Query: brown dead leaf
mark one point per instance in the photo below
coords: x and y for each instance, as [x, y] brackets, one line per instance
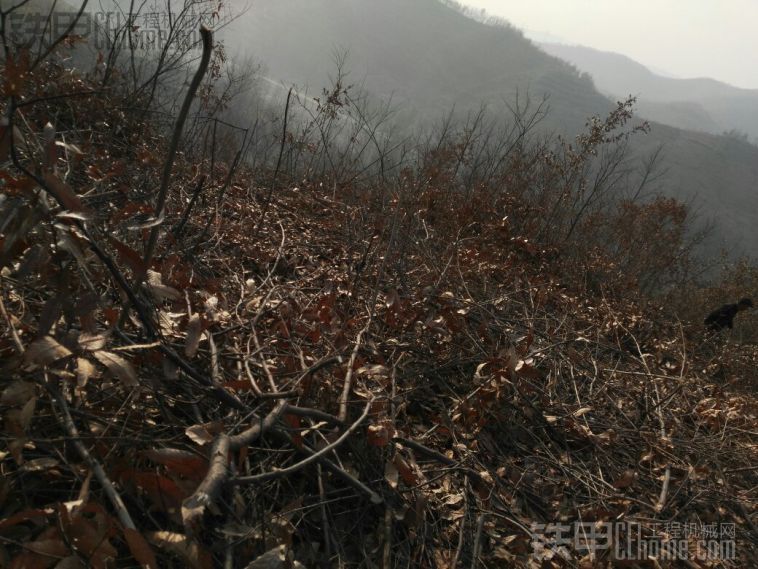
[85, 370]
[17, 420]
[276, 558]
[71, 241]
[17, 393]
[181, 462]
[128, 256]
[119, 367]
[391, 474]
[168, 321]
[36, 516]
[45, 351]
[92, 342]
[5, 140]
[70, 562]
[194, 332]
[582, 411]
[180, 545]
[63, 192]
[87, 537]
[140, 549]
[525, 369]
[378, 435]
[41, 554]
[165, 493]
[443, 559]
[39, 464]
[626, 479]
[211, 307]
[453, 499]
[204, 434]
[16, 448]
[406, 470]
[158, 290]
[374, 371]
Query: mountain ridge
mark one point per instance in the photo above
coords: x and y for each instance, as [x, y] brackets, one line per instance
[729, 108]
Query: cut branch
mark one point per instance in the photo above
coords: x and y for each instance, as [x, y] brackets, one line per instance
[194, 507]
[347, 387]
[280, 472]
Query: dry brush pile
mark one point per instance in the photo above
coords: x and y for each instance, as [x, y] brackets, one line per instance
[267, 371]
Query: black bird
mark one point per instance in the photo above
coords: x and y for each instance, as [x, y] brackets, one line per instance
[724, 317]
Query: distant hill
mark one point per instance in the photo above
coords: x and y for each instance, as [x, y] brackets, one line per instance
[698, 104]
[424, 54]
[430, 57]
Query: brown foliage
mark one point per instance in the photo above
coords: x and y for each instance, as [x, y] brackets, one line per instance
[411, 368]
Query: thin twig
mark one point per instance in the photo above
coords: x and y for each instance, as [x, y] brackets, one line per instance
[270, 194]
[264, 365]
[347, 387]
[207, 37]
[477, 541]
[94, 465]
[387, 551]
[41, 56]
[280, 472]
[334, 469]
[324, 516]
[188, 210]
[253, 433]
[16, 339]
[462, 529]
[206, 494]
[313, 414]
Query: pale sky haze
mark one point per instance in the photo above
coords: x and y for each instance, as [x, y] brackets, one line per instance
[686, 38]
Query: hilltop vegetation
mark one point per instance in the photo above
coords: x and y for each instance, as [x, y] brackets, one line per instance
[299, 341]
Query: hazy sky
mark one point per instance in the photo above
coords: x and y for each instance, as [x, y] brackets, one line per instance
[686, 38]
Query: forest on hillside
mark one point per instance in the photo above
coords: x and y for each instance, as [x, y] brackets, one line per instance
[259, 333]
[427, 59]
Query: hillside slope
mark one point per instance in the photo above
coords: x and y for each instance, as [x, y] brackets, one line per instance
[423, 54]
[429, 58]
[206, 364]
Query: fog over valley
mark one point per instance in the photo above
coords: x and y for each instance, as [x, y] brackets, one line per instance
[427, 58]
